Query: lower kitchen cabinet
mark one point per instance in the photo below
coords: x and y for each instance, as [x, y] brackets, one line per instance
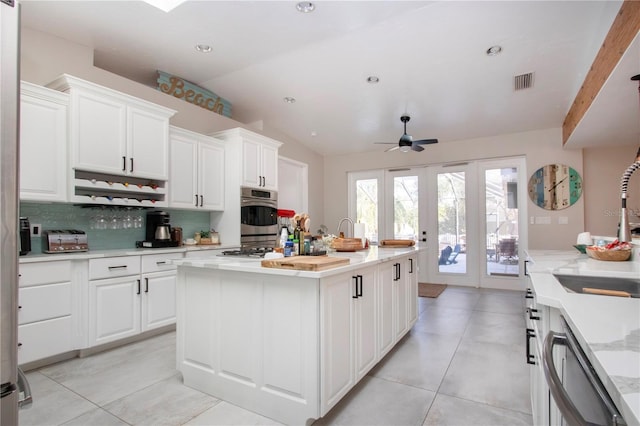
[140, 299]
[45, 310]
[349, 331]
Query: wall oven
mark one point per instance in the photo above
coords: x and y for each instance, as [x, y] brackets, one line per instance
[579, 394]
[258, 218]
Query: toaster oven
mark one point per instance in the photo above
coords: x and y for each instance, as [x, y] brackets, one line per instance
[64, 241]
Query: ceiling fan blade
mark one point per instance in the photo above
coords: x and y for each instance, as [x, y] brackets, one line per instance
[393, 148]
[417, 148]
[425, 141]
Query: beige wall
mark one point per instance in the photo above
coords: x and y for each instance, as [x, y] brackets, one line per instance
[43, 58]
[603, 168]
[539, 148]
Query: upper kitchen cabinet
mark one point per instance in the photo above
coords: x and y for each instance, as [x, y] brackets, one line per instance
[114, 133]
[196, 171]
[43, 144]
[258, 157]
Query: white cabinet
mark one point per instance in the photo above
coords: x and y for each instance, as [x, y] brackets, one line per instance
[260, 164]
[257, 154]
[197, 171]
[45, 320]
[114, 133]
[129, 295]
[411, 275]
[43, 144]
[349, 332]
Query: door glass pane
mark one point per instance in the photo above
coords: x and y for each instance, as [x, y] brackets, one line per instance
[502, 221]
[405, 207]
[367, 207]
[452, 223]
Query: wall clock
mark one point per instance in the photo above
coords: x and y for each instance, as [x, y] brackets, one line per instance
[555, 187]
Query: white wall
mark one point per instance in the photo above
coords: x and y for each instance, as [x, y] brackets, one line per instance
[45, 57]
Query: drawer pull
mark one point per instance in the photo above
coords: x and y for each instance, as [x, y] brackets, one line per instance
[118, 267]
[161, 262]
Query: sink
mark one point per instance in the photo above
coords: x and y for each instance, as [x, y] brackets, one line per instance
[576, 283]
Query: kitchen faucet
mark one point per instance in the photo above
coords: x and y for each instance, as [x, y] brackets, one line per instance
[624, 231]
[340, 224]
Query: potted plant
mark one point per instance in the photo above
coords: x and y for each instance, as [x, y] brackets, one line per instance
[205, 237]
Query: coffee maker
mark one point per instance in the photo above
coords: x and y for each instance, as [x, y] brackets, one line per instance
[158, 231]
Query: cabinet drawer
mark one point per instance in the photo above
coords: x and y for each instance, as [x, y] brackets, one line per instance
[44, 339]
[111, 267]
[159, 262]
[44, 302]
[44, 273]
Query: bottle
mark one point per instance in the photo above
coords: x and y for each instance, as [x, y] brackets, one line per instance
[296, 247]
[307, 245]
[288, 248]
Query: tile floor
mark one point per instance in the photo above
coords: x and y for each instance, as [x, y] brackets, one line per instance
[461, 364]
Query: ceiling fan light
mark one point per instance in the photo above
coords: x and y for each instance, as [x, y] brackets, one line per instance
[405, 148]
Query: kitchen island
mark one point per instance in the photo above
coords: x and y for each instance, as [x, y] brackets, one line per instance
[607, 328]
[289, 344]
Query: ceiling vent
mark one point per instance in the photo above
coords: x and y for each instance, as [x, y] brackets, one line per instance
[523, 81]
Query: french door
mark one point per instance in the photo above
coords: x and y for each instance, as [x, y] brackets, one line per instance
[466, 215]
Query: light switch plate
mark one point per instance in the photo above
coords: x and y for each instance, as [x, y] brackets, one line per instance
[36, 229]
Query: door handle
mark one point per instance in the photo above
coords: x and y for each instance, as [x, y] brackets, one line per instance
[411, 265]
[359, 280]
[138, 292]
[146, 285]
[201, 201]
[196, 204]
[531, 316]
[529, 335]
[529, 294]
[124, 163]
[131, 170]
[355, 287]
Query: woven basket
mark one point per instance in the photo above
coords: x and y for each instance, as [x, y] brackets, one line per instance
[611, 255]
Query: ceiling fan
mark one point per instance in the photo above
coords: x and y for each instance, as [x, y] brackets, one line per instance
[406, 142]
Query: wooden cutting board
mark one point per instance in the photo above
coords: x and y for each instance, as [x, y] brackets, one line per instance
[306, 263]
[397, 243]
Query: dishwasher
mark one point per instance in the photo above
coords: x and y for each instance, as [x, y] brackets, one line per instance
[579, 395]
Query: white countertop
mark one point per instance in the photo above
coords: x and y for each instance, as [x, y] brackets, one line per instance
[357, 260]
[607, 328]
[92, 254]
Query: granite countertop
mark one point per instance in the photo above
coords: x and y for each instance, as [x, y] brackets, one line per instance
[372, 256]
[93, 254]
[607, 328]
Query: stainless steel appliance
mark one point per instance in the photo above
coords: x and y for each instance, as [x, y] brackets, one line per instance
[11, 386]
[64, 241]
[258, 218]
[25, 236]
[158, 231]
[579, 394]
[256, 252]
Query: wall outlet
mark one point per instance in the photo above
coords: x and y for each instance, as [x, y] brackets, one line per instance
[36, 229]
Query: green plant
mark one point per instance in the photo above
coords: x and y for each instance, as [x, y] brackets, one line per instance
[205, 234]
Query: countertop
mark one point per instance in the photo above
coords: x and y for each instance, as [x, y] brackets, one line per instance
[607, 328]
[93, 254]
[372, 256]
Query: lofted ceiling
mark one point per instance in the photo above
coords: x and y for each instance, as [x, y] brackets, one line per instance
[430, 57]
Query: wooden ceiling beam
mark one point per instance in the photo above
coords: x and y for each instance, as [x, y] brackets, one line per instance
[623, 31]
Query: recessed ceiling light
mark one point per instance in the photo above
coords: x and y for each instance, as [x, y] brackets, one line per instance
[373, 79]
[314, 134]
[494, 50]
[289, 100]
[305, 7]
[204, 48]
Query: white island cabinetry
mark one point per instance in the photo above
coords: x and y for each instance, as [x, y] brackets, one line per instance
[286, 344]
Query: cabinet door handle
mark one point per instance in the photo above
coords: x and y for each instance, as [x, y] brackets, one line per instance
[124, 163]
[138, 292]
[161, 262]
[118, 267]
[411, 265]
[355, 287]
[131, 170]
[359, 281]
[146, 285]
[526, 270]
[531, 316]
[529, 335]
[196, 203]
[399, 272]
[201, 201]
[529, 294]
